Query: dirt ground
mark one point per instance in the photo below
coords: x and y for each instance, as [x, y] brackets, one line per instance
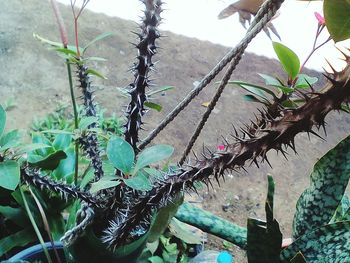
[35, 78]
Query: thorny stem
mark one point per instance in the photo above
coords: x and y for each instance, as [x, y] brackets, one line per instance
[210, 76]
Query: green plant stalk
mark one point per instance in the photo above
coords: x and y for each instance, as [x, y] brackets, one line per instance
[46, 223]
[36, 229]
[75, 111]
[212, 224]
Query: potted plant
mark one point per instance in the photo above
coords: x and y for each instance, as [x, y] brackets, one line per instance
[119, 199]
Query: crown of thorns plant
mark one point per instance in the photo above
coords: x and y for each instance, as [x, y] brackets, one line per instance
[123, 213]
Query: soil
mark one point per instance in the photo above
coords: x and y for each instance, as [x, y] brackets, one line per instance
[35, 78]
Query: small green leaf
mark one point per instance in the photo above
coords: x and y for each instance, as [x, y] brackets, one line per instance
[163, 219]
[49, 162]
[85, 122]
[285, 90]
[337, 18]
[54, 44]
[270, 81]
[10, 140]
[95, 59]
[288, 59]
[121, 154]
[102, 184]
[96, 73]
[156, 259]
[66, 51]
[183, 232]
[160, 90]
[153, 106]
[139, 182]
[152, 246]
[304, 81]
[252, 98]
[152, 155]
[9, 175]
[98, 38]
[16, 215]
[53, 131]
[2, 120]
[62, 141]
[31, 147]
[66, 166]
[254, 89]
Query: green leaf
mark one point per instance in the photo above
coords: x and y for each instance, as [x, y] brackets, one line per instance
[153, 106]
[32, 147]
[252, 98]
[342, 211]
[288, 59]
[139, 182]
[54, 44]
[10, 140]
[304, 81]
[16, 215]
[96, 39]
[329, 179]
[121, 154]
[62, 141]
[270, 81]
[152, 246]
[19, 239]
[103, 183]
[2, 120]
[156, 259]
[95, 73]
[160, 90]
[49, 162]
[329, 243]
[66, 166]
[183, 232]
[65, 51]
[38, 137]
[95, 59]
[264, 239]
[337, 18]
[163, 219]
[254, 89]
[85, 122]
[9, 175]
[152, 155]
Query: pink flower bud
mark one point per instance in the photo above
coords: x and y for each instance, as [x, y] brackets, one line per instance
[221, 147]
[320, 18]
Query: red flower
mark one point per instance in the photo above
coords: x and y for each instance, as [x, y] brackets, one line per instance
[320, 18]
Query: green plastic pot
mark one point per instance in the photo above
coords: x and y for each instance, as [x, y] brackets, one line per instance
[89, 248]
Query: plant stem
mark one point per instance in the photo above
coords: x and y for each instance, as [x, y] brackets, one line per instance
[75, 111]
[36, 229]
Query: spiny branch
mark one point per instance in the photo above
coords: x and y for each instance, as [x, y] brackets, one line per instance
[89, 141]
[32, 176]
[137, 90]
[268, 6]
[268, 133]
